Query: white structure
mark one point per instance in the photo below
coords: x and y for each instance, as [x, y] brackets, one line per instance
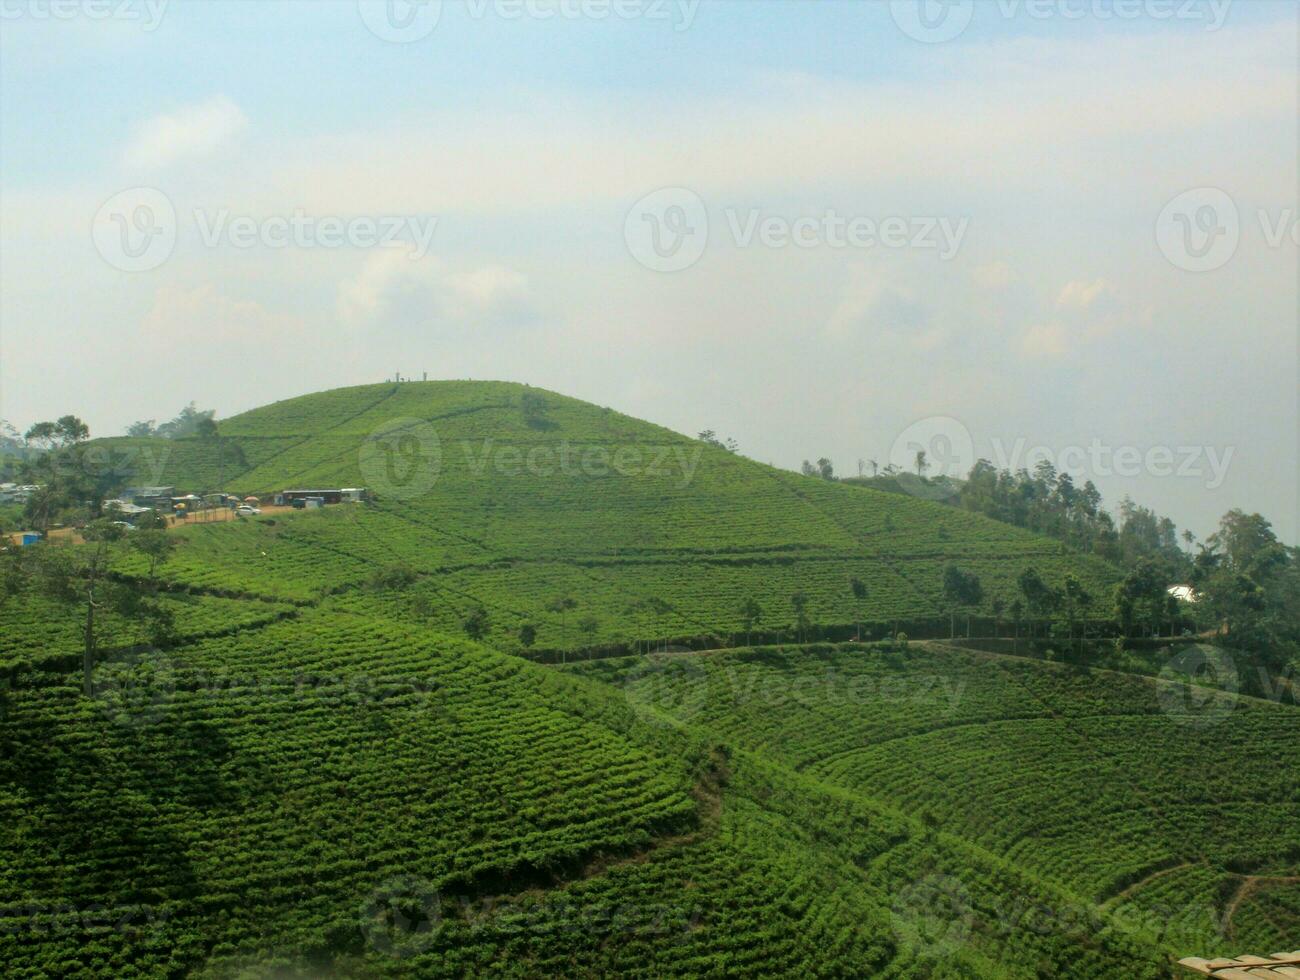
[1183, 593]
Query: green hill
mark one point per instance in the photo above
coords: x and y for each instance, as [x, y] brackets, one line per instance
[498, 504]
[320, 775]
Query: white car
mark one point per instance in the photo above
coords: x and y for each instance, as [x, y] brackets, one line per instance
[248, 510]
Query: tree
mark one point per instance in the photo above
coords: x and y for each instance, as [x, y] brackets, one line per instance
[590, 626]
[921, 464]
[73, 478]
[750, 613]
[859, 590]
[1076, 599]
[711, 437]
[533, 406]
[144, 429]
[77, 576]
[527, 635]
[71, 430]
[801, 623]
[999, 607]
[961, 589]
[1248, 585]
[476, 623]
[44, 434]
[206, 429]
[1040, 599]
[561, 605]
[185, 424]
[1142, 593]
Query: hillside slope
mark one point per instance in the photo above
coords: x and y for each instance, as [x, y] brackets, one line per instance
[322, 776]
[515, 500]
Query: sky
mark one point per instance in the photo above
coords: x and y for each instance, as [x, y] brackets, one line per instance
[1010, 229]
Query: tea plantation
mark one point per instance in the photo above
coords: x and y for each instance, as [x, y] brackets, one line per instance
[401, 738]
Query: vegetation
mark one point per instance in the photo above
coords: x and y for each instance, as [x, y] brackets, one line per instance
[404, 739]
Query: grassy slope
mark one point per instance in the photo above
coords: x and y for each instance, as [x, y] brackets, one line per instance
[1087, 779]
[655, 535]
[265, 795]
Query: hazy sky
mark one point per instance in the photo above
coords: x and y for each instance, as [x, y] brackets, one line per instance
[840, 229]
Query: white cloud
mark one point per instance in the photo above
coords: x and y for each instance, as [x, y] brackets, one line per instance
[1081, 295]
[200, 314]
[1081, 122]
[994, 275]
[1045, 340]
[392, 285]
[191, 131]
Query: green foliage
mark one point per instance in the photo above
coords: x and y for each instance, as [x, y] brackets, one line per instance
[314, 767]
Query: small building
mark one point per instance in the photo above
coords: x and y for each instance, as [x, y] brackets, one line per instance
[126, 511]
[135, 493]
[326, 496]
[354, 495]
[1183, 593]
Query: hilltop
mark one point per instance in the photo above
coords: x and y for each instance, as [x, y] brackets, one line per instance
[512, 498]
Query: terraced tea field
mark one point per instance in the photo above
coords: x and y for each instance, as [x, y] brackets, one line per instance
[321, 774]
[653, 535]
[1093, 780]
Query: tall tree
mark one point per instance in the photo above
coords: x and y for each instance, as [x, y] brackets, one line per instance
[799, 601]
[750, 613]
[961, 589]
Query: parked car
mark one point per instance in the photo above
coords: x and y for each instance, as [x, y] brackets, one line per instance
[247, 510]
